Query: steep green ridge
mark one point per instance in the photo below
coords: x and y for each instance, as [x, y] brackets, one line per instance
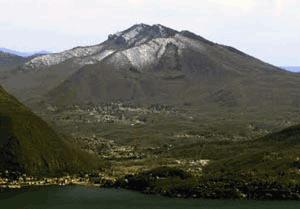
[29, 145]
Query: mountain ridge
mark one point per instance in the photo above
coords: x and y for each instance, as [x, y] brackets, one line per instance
[182, 57]
[117, 41]
[295, 69]
[134, 36]
[23, 54]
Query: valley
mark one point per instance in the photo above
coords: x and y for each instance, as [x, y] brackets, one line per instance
[154, 110]
[196, 143]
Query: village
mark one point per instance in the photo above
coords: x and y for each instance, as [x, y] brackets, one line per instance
[120, 113]
[106, 177]
[23, 181]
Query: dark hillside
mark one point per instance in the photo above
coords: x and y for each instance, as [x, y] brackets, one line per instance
[29, 145]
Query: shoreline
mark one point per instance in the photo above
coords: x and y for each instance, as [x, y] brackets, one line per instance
[12, 188]
[144, 193]
[25, 182]
[100, 181]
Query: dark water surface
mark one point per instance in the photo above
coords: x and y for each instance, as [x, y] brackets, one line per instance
[77, 197]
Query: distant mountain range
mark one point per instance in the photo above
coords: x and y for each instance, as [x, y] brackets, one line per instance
[292, 68]
[23, 54]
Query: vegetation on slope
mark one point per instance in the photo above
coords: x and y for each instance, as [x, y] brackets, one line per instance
[28, 145]
[275, 156]
[266, 168]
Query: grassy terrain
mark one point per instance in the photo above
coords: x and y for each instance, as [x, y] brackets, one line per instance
[148, 127]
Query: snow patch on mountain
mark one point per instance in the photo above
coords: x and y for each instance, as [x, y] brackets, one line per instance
[95, 58]
[57, 58]
[149, 53]
[190, 43]
[131, 34]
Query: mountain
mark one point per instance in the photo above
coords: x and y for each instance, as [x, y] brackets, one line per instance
[28, 145]
[292, 68]
[150, 96]
[134, 36]
[50, 70]
[23, 54]
[157, 65]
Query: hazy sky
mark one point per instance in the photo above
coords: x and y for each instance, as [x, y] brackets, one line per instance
[267, 29]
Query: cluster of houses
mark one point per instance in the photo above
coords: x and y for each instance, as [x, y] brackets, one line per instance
[25, 181]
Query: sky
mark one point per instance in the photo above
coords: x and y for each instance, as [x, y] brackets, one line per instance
[267, 29]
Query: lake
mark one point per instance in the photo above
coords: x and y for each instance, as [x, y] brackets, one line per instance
[79, 197]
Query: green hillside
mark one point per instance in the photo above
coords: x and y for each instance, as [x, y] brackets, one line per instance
[275, 156]
[265, 168]
[29, 145]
